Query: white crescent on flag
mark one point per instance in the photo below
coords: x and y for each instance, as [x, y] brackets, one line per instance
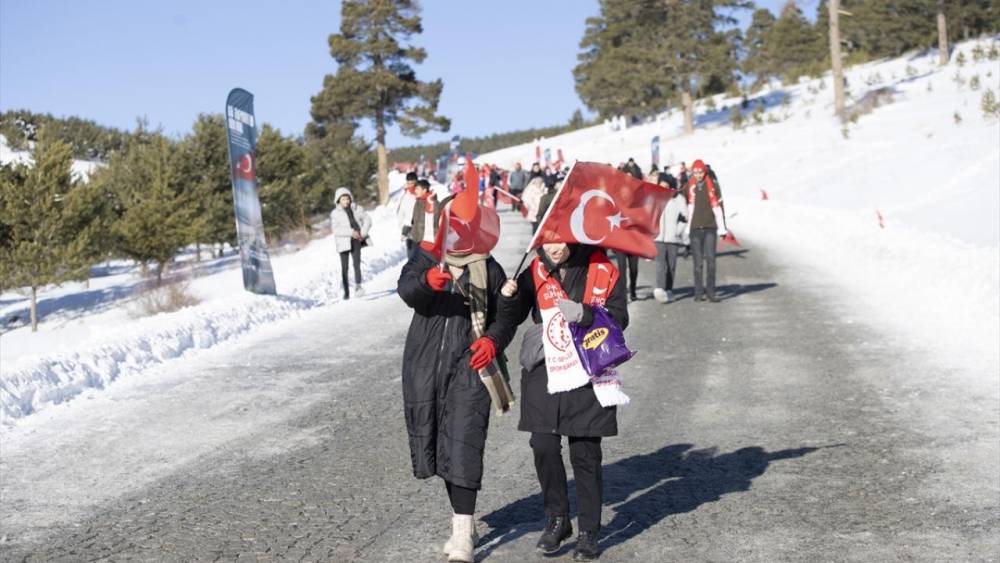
[576, 219]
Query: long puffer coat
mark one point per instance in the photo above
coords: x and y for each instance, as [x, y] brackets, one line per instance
[570, 413]
[447, 407]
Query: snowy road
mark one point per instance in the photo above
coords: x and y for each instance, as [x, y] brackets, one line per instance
[767, 427]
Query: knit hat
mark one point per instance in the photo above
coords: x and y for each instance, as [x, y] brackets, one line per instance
[698, 165]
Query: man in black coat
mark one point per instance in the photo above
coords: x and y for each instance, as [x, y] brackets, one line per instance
[447, 407]
[575, 413]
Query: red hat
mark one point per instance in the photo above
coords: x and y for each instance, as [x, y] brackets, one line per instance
[698, 165]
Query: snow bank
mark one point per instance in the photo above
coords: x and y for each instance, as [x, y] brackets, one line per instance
[120, 347]
[932, 276]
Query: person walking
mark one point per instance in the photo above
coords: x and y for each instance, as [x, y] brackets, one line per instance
[455, 331]
[404, 211]
[629, 263]
[350, 225]
[582, 275]
[632, 168]
[706, 223]
[422, 228]
[669, 242]
[516, 181]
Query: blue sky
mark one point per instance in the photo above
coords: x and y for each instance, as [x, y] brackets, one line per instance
[506, 65]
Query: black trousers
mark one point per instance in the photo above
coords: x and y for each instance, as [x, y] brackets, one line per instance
[585, 457]
[703, 243]
[633, 269]
[463, 499]
[355, 253]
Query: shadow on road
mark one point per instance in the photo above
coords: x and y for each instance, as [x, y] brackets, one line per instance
[725, 292]
[672, 480]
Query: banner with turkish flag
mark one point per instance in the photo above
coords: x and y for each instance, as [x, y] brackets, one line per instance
[600, 206]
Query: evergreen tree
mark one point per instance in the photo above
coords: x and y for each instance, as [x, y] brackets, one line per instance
[793, 46]
[280, 170]
[154, 214]
[34, 250]
[757, 61]
[203, 170]
[336, 157]
[374, 79]
[698, 57]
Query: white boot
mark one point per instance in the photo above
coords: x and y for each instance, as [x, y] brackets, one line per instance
[463, 538]
[448, 545]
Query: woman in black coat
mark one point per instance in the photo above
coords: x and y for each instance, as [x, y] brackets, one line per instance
[575, 413]
[447, 407]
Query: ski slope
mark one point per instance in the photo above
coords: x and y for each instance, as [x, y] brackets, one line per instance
[931, 277]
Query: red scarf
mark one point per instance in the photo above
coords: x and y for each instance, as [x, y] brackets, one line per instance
[713, 198]
[602, 276]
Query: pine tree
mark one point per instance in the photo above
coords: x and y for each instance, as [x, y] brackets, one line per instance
[374, 79]
[203, 170]
[154, 214]
[34, 253]
[757, 61]
[280, 170]
[697, 56]
[793, 46]
[336, 157]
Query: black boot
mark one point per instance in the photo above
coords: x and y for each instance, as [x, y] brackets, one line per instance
[557, 529]
[347, 293]
[586, 547]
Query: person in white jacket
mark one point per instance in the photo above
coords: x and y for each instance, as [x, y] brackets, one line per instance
[350, 225]
[673, 236]
[404, 210]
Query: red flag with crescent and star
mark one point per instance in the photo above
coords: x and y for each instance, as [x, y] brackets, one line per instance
[600, 206]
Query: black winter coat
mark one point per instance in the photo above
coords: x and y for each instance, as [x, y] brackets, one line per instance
[446, 406]
[576, 412]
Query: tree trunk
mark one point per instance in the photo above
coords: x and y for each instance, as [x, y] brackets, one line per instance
[160, 267]
[197, 252]
[34, 309]
[835, 62]
[942, 35]
[383, 162]
[688, 103]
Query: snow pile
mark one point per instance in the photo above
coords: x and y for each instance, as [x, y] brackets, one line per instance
[97, 350]
[81, 169]
[928, 162]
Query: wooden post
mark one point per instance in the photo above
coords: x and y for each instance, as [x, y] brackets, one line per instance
[942, 35]
[835, 60]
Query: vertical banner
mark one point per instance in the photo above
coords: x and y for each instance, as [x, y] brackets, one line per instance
[548, 156]
[655, 148]
[242, 134]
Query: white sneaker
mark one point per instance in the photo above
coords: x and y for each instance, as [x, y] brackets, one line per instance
[661, 295]
[463, 539]
[359, 291]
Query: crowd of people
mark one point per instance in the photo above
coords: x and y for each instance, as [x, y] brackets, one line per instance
[466, 312]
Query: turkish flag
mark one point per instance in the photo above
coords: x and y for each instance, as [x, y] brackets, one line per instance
[603, 207]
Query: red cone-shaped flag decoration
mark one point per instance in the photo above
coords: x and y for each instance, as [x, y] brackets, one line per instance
[601, 206]
[471, 228]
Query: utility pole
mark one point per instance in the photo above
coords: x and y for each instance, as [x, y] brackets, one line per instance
[836, 63]
[942, 35]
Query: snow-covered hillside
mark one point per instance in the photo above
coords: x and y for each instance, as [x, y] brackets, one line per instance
[932, 274]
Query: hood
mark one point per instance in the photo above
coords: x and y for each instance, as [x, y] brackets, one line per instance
[340, 192]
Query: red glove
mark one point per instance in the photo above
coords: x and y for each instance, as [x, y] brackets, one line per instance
[483, 352]
[438, 278]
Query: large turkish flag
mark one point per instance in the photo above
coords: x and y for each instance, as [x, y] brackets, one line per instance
[603, 207]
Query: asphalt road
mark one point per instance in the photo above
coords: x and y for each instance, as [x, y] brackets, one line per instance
[762, 428]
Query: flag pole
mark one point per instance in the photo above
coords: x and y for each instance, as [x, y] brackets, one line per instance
[541, 223]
